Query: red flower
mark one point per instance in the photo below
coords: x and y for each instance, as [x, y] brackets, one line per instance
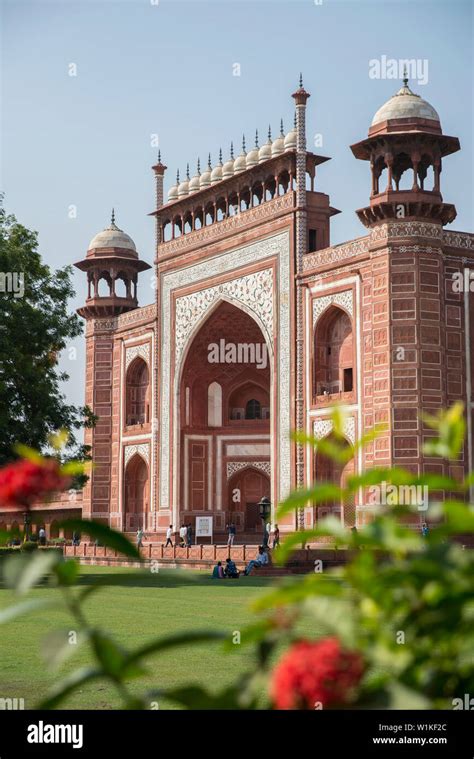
[24, 481]
[316, 675]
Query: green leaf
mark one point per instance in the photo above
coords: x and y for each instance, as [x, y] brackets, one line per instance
[331, 526]
[319, 492]
[459, 517]
[68, 685]
[112, 657]
[67, 572]
[23, 572]
[105, 535]
[450, 426]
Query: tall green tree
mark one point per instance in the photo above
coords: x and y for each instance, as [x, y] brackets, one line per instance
[35, 325]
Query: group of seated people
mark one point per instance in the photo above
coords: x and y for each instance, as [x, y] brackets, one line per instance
[230, 570]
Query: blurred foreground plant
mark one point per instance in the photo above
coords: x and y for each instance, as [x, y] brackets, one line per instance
[398, 615]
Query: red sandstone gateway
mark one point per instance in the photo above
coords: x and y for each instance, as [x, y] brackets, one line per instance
[243, 255]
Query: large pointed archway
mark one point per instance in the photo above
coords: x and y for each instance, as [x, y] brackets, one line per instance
[224, 412]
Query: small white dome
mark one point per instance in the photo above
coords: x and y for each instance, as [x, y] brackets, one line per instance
[173, 193]
[251, 158]
[265, 151]
[228, 167]
[112, 237]
[183, 189]
[240, 163]
[405, 105]
[252, 155]
[205, 180]
[217, 171]
[290, 140]
[195, 182]
[278, 145]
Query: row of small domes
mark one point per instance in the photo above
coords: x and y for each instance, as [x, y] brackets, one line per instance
[233, 166]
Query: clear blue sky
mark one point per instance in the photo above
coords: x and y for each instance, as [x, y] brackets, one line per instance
[167, 68]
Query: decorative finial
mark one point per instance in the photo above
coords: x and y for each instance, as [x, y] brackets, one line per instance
[282, 133]
[232, 150]
[243, 143]
[177, 177]
[159, 156]
[405, 75]
[220, 156]
[301, 79]
[294, 121]
[269, 133]
[209, 164]
[199, 167]
[256, 138]
[187, 172]
[113, 216]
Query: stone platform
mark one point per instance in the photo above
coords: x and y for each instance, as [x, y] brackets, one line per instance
[204, 557]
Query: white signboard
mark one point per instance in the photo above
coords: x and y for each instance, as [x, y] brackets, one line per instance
[203, 527]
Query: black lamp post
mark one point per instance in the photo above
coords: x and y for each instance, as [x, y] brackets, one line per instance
[27, 522]
[265, 508]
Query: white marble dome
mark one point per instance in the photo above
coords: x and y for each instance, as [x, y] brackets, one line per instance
[405, 105]
[206, 176]
[228, 169]
[195, 181]
[173, 191]
[278, 145]
[265, 151]
[240, 164]
[217, 171]
[290, 140]
[112, 237]
[251, 158]
[183, 188]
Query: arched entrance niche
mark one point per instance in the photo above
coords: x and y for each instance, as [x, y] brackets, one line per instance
[137, 393]
[245, 489]
[334, 364]
[328, 470]
[136, 501]
[224, 408]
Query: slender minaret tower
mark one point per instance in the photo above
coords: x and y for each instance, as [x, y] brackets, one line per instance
[300, 97]
[159, 170]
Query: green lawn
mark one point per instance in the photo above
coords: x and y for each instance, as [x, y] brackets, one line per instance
[136, 607]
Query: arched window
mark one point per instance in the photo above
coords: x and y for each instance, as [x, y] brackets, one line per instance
[214, 405]
[138, 391]
[333, 353]
[253, 409]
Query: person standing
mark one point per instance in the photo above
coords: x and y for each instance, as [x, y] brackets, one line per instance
[276, 536]
[183, 531]
[189, 535]
[425, 530]
[76, 538]
[140, 535]
[231, 534]
[169, 535]
[42, 536]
